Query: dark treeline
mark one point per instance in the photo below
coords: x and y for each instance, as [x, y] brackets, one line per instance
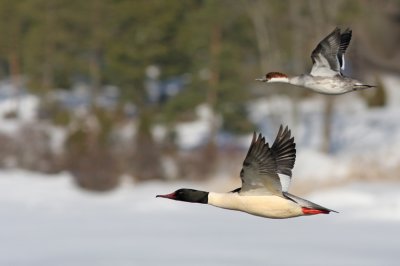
[218, 43]
[216, 48]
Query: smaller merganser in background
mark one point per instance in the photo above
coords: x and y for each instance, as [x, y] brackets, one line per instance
[325, 76]
[266, 176]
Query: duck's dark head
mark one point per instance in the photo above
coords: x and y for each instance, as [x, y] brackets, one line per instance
[188, 195]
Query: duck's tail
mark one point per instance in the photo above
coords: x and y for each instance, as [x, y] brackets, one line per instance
[362, 86]
[308, 207]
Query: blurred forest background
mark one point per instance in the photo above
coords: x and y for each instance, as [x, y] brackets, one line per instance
[156, 89]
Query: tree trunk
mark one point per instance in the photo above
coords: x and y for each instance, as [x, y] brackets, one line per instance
[13, 61]
[48, 74]
[318, 13]
[212, 94]
[327, 125]
[95, 52]
[255, 9]
[95, 75]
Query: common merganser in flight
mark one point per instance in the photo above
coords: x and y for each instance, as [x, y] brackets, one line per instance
[266, 176]
[325, 76]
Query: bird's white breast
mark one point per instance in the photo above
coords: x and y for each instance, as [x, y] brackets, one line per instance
[264, 206]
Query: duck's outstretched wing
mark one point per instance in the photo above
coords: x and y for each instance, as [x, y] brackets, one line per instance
[328, 56]
[263, 164]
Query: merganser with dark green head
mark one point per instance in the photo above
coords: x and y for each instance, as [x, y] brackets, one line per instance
[266, 176]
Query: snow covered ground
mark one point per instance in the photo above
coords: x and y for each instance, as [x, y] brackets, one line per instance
[46, 220]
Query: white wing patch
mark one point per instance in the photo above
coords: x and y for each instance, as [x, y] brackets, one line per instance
[321, 67]
[343, 62]
[285, 182]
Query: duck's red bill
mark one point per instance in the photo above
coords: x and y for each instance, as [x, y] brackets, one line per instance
[167, 196]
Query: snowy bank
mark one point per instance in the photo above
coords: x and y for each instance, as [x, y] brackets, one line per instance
[47, 220]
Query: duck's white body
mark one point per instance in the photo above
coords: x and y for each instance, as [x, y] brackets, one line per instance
[274, 207]
[328, 61]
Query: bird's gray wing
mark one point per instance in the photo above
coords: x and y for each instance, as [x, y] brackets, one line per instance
[325, 55]
[263, 163]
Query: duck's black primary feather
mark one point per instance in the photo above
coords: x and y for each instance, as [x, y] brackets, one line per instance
[284, 151]
[345, 38]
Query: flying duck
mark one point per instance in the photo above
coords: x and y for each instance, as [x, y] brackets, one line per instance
[266, 176]
[328, 61]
